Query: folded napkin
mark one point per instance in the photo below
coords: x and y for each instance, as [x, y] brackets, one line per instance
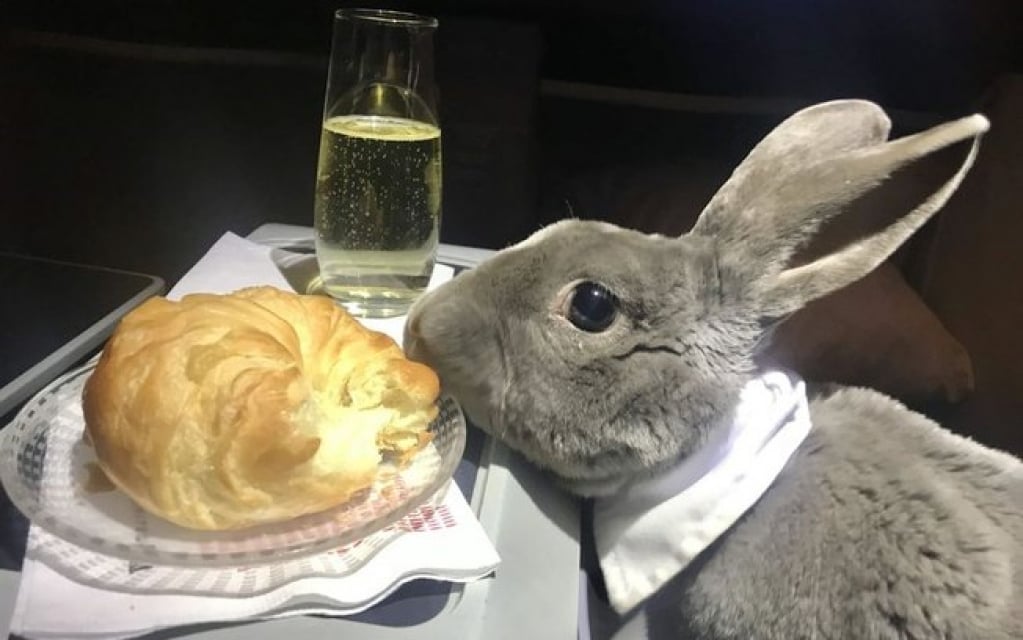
[70, 592]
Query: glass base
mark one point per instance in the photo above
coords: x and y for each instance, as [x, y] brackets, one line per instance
[373, 309]
[375, 284]
[364, 302]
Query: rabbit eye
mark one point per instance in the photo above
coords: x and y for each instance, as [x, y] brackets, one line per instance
[592, 307]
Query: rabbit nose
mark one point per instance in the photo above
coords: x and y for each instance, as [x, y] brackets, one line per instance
[435, 319]
[413, 334]
[412, 325]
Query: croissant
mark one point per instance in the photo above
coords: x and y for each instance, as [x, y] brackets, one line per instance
[227, 411]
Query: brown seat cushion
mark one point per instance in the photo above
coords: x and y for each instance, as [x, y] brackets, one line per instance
[877, 333]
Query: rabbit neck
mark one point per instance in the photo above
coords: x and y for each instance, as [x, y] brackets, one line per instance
[653, 528]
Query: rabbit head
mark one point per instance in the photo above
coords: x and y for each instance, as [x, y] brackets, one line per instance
[603, 354]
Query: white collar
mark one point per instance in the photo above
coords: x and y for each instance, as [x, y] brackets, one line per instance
[652, 529]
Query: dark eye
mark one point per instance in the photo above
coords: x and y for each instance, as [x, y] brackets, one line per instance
[592, 307]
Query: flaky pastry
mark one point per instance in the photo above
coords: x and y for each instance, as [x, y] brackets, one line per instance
[226, 411]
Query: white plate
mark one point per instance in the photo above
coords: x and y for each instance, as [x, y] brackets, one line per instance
[45, 468]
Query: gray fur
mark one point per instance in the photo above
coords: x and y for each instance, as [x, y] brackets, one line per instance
[882, 525]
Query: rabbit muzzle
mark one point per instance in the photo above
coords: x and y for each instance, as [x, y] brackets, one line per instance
[446, 333]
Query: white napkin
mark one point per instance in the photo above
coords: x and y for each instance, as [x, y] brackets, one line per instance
[112, 598]
[651, 530]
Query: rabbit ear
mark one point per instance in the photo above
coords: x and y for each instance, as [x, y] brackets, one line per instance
[768, 191]
[805, 172]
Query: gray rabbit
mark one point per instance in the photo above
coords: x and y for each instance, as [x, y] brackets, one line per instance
[613, 359]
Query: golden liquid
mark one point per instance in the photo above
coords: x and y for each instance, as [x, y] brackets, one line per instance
[378, 202]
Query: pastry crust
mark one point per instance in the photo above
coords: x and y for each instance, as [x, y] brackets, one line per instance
[227, 411]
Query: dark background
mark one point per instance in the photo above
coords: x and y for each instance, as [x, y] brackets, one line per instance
[133, 133]
[935, 54]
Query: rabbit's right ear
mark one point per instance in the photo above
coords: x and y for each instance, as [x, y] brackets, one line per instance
[803, 173]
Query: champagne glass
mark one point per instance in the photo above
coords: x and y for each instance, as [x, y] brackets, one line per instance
[378, 179]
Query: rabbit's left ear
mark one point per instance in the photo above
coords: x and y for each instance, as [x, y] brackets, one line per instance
[803, 173]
